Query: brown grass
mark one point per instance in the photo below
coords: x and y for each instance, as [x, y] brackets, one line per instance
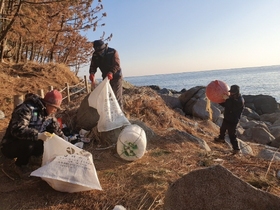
[135, 185]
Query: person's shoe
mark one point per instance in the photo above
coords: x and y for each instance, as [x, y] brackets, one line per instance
[218, 140]
[236, 151]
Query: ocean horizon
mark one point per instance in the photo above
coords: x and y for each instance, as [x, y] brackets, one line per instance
[263, 80]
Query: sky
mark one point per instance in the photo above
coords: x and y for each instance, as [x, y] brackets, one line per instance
[164, 37]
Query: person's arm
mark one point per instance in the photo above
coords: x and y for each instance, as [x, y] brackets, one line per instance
[51, 125]
[93, 67]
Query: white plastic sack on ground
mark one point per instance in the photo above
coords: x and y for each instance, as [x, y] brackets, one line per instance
[104, 100]
[67, 168]
[131, 144]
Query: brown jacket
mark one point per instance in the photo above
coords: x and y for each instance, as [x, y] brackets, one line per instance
[109, 62]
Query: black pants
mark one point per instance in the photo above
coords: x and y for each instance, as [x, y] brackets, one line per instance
[116, 84]
[231, 128]
[22, 150]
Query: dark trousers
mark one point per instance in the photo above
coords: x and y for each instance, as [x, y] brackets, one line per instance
[22, 150]
[116, 85]
[231, 128]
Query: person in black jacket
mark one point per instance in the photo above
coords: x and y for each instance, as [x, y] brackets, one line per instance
[26, 130]
[107, 60]
[233, 105]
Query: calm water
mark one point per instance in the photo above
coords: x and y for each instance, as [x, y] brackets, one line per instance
[252, 81]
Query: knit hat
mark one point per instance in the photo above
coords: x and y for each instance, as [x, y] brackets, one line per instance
[53, 98]
[234, 89]
[98, 45]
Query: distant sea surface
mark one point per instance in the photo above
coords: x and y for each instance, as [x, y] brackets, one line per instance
[252, 81]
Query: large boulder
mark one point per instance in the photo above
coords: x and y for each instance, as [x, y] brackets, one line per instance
[87, 117]
[189, 98]
[251, 114]
[273, 117]
[262, 104]
[269, 154]
[172, 101]
[201, 111]
[275, 142]
[275, 131]
[257, 135]
[194, 103]
[216, 188]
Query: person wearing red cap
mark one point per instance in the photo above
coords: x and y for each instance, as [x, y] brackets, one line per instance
[25, 133]
[234, 105]
[107, 60]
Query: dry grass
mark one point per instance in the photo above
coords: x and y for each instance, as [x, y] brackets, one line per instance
[139, 185]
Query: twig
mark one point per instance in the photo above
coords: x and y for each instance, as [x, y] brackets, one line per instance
[8, 175]
[142, 201]
[104, 148]
[153, 202]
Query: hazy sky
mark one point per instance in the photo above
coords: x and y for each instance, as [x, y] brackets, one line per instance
[164, 36]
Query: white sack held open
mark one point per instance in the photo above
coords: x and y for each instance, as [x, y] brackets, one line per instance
[67, 168]
[132, 143]
[103, 99]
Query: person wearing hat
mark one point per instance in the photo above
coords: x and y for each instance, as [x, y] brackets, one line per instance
[233, 107]
[107, 60]
[25, 133]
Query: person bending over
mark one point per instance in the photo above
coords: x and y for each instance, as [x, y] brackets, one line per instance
[108, 61]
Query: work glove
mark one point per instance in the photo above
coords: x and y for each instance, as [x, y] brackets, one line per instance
[110, 76]
[225, 97]
[91, 77]
[44, 136]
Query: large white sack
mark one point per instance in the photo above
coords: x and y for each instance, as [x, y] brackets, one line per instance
[103, 99]
[67, 168]
[131, 144]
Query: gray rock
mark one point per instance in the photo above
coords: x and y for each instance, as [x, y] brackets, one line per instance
[270, 117]
[171, 101]
[262, 104]
[275, 142]
[257, 135]
[251, 114]
[87, 117]
[216, 188]
[275, 130]
[268, 154]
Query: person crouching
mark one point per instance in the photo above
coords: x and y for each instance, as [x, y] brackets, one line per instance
[25, 133]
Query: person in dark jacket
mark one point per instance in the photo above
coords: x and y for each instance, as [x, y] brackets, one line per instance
[108, 61]
[233, 105]
[25, 133]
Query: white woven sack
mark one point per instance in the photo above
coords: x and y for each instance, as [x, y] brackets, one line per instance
[67, 168]
[103, 99]
[131, 144]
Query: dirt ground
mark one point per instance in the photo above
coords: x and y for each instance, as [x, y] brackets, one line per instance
[135, 185]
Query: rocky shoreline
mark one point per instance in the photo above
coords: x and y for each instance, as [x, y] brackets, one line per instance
[259, 124]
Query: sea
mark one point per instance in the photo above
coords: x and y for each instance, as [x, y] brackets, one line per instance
[264, 80]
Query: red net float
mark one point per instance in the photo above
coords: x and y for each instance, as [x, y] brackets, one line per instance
[215, 91]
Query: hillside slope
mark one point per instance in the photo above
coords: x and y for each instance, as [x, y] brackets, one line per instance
[136, 185]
